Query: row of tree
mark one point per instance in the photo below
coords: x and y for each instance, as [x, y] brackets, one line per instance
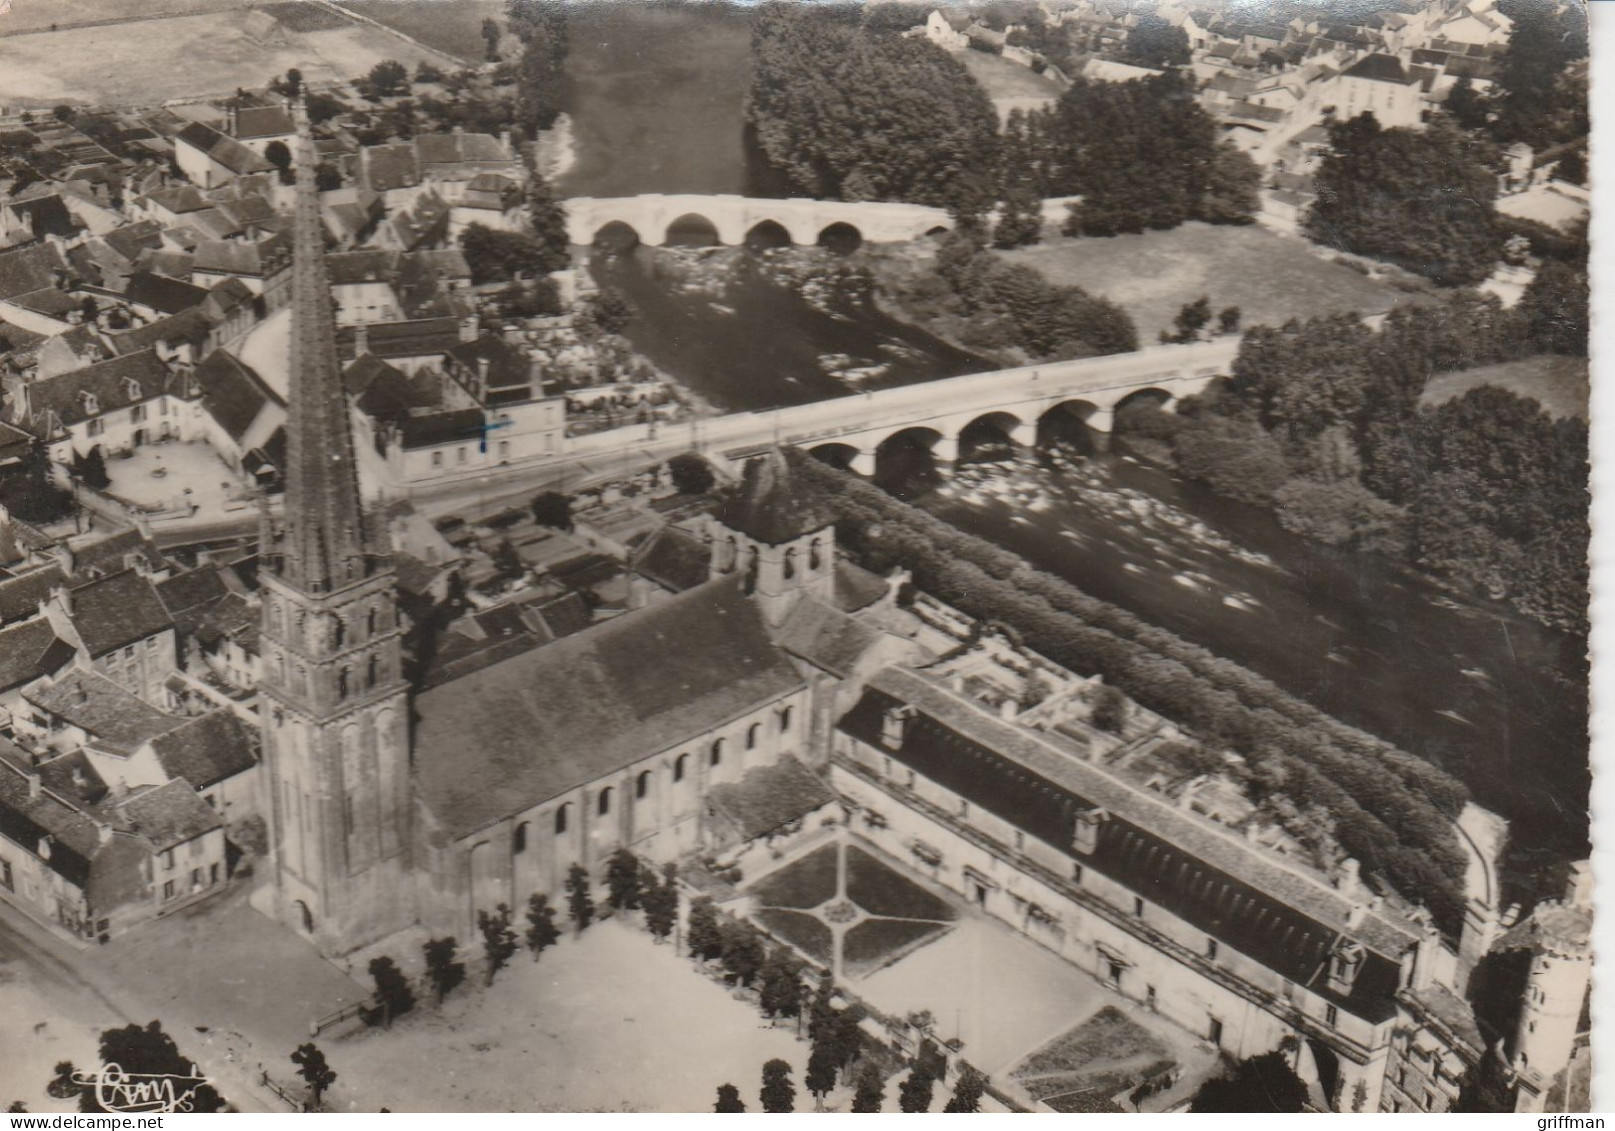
[541, 25]
[1390, 810]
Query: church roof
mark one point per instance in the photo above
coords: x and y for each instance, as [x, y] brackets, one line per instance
[1280, 917]
[672, 558]
[514, 734]
[767, 798]
[772, 505]
[825, 637]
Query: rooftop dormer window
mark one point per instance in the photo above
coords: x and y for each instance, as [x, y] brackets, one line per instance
[1345, 961]
[894, 724]
[91, 403]
[1085, 834]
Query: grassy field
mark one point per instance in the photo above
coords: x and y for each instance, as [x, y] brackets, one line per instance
[150, 61]
[454, 26]
[1270, 277]
[1009, 85]
[41, 15]
[802, 883]
[1559, 384]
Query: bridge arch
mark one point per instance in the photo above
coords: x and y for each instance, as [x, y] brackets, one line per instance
[1071, 424]
[616, 236]
[994, 435]
[768, 233]
[1163, 399]
[691, 229]
[846, 457]
[906, 459]
[840, 237]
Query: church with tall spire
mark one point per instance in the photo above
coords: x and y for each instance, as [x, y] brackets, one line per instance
[334, 707]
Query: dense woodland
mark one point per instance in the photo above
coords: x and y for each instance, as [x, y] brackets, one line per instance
[1142, 155]
[1325, 782]
[863, 114]
[1322, 422]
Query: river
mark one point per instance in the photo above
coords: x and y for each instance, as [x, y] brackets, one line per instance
[1498, 700]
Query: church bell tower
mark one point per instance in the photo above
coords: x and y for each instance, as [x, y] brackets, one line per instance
[333, 697]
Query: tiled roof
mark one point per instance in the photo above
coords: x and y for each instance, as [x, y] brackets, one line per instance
[855, 587]
[226, 150]
[188, 327]
[74, 776]
[232, 393]
[390, 167]
[188, 595]
[207, 749]
[169, 814]
[458, 148]
[825, 637]
[30, 649]
[168, 296]
[1287, 920]
[114, 552]
[233, 257]
[773, 506]
[672, 558]
[514, 734]
[179, 199]
[46, 216]
[27, 819]
[509, 366]
[113, 384]
[767, 798]
[424, 337]
[20, 596]
[464, 425]
[118, 720]
[29, 268]
[1379, 68]
[368, 266]
[262, 121]
[117, 610]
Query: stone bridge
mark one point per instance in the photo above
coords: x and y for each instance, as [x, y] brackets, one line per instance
[1012, 404]
[801, 220]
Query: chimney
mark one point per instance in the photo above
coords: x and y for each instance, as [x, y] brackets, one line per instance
[81, 694]
[1354, 915]
[104, 833]
[1008, 709]
[504, 143]
[468, 328]
[361, 340]
[1346, 876]
[63, 598]
[35, 786]
[232, 119]
[482, 373]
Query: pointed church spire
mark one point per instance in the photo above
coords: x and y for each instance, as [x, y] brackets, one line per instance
[324, 542]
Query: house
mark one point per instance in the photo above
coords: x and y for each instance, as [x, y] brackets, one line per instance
[240, 412]
[91, 869]
[117, 404]
[1383, 86]
[122, 629]
[947, 33]
[209, 158]
[256, 127]
[30, 651]
[36, 213]
[364, 286]
[410, 346]
[260, 264]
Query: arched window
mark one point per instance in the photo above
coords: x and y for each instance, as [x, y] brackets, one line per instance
[344, 679]
[790, 562]
[679, 765]
[751, 735]
[302, 628]
[717, 753]
[372, 670]
[370, 621]
[339, 632]
[560, 819]
[816, 555]
[642, 785]
[518, 840]
[603, 803]
[785, 718]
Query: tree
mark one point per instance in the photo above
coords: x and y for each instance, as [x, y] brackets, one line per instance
[30, 492]
[871, 1091]
[1572, 167]
[316, 1073]
[967, 1091]
[541, 930]
[1228, 320]
[778, 1094]
[64, 113]
[547, 222]
[392, 993]
[294, 82]
[780, 989]
[1192, 318]
[706, 936]
[1109, 710]
[1421, 199]
[661, 902]
[62, 1085]
[148, 1051]
[846, 1037]
[425, 71]
[691, 474]
[729, 1100]
[387, 78]
[280, 157]
[443, 970]
[622, 880]
[1256, 1084]
[491, 33]
[821, 1073]
[327, 177]
[498, 940]
[579, 903]
[608, 311]
[1485, 1088]
[17, 1107]
[743, 953]
[91, 468]
[914, 1093]
[1466, 106]
[1020, 218]
[508, 560]
[552, 509]
[1153, 42]
[822, 1012]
